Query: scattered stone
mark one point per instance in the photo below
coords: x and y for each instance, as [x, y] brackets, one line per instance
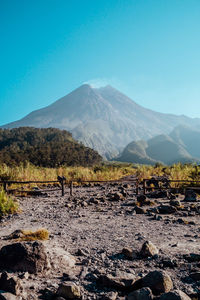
[175, 202]
[15, 235]
[167, 209]
[157, 217]
[192, 257]
[190, 196]
[171, 196]
[82, 252]
[142, 294]
[141, 199]
[129, 253]
[119, 283]
[69, 290]
[11, 284]
[110, 296]
[26, 257]
[175, 295]
[148, 249]
[140, 210]
[8, 296]
[117, 197]
[195, 276]
[158, 281]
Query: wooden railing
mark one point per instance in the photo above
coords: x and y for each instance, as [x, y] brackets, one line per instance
[63, 182]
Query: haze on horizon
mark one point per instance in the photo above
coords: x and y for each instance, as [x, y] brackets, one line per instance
[148, 49]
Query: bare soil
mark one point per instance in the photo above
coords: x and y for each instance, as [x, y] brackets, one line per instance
[95, 230]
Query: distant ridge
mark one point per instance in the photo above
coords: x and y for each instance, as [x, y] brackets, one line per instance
[182, 145]
[104, 119]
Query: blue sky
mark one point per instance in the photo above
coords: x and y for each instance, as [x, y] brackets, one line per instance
[148, 49]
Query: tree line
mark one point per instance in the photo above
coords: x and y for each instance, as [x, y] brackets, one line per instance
[46, 147]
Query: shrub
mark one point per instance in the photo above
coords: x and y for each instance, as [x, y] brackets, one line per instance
[7, 204]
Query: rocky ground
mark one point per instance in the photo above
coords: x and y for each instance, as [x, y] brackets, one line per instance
[105, 243]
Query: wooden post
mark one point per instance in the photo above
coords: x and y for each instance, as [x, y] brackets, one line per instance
[5, 186]
[63, 187]
[137, 187]
[71, 188]
[144, 186]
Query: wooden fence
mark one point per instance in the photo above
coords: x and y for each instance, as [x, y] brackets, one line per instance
[168, 186]
[62, 182]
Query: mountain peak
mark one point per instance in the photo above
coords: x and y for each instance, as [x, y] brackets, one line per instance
[102, 118]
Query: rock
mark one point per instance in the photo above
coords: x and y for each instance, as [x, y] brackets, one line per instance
[167, 209]
[157, 217]
[61, 259]
[110, 296]
[142, 294]
[158, 281]
[175, 295]
[129, 253]
[192, 257]
[69, 290]
[169, 263]
[119, 283]
[141, 199]
[11, 284]
[195, 276]
[148, 249]
[82, 252]
[122, 191]
[117, 197]
[158, 194]
[175, 202]
[26, 257]
[15, 235]
[8, 296]
[140, 210]
[190, 196]
[171, 196]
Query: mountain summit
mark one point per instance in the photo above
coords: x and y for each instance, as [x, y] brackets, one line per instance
[103, 118]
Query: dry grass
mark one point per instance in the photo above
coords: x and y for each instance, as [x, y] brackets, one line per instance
[32, 173]
[7, 204]
[106, 171]
[40, 234]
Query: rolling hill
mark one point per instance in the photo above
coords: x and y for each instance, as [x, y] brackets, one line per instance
[47, 147]
[182, 145]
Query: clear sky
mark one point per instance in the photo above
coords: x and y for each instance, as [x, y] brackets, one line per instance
[148, 49]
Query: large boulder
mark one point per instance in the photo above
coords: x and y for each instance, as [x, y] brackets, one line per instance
[26, 257]
[141, 294]
[175, 295]
[158, 281]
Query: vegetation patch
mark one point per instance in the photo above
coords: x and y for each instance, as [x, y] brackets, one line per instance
[7, 204]
[41, 234]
